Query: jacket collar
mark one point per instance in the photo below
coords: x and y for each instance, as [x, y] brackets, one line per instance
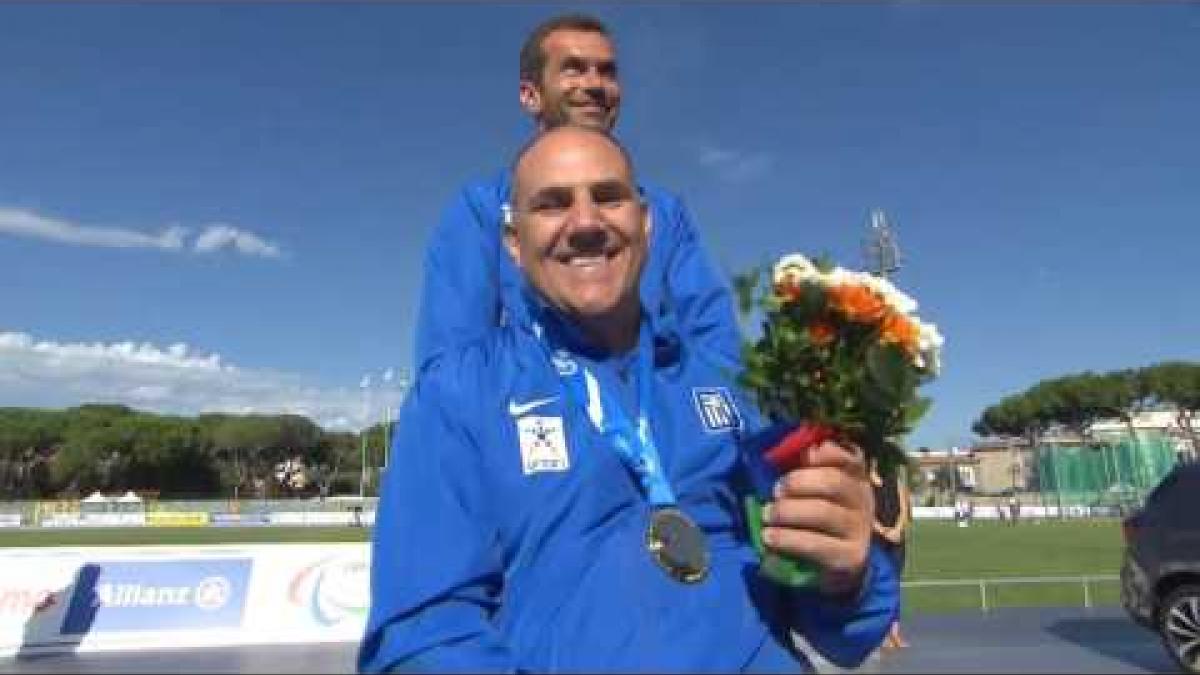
[559, 332]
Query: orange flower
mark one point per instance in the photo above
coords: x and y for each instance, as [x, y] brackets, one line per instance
[899, 330]
[858, 303]
[821, 333]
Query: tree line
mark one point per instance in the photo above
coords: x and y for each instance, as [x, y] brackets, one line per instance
[1073, 403]
[47, 454]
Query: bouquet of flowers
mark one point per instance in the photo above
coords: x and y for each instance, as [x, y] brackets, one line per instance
[841, 356]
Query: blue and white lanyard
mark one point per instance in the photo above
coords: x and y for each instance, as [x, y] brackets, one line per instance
[634, 445]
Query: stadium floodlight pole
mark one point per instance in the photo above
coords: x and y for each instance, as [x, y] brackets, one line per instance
[388, 376]
[365, 385]
[880, 249]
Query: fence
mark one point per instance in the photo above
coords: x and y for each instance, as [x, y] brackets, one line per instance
[1107, 473]
[1087, 585]
[36, 513]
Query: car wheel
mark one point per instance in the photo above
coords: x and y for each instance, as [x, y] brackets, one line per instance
[1179, 624]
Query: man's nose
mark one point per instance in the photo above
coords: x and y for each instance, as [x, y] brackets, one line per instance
[585, 225]
[594, 83]
[584, 213]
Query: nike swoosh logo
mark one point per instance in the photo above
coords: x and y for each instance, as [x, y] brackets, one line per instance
[517, 409]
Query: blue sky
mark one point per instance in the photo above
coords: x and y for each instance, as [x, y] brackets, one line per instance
[254, 183]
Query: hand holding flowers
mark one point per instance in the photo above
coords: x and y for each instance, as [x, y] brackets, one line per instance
[840, 359]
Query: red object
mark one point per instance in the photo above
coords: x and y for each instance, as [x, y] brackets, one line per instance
[792, 451]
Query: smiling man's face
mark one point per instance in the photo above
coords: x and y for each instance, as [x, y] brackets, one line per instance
[580, 230]
[578, 84]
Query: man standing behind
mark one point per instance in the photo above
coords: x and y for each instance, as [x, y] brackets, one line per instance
[562, 498]
[568, 75]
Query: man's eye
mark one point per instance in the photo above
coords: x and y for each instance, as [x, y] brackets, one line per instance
[550, 205]
[610, 195]
[572, 67]
[550, 200]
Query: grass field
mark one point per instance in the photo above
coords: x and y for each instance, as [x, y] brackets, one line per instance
[937, 550]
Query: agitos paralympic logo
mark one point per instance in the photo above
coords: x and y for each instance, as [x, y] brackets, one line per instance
[333, 589]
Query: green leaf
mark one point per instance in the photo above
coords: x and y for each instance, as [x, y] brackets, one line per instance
[889, 370]
[915, 411]
[744, 287]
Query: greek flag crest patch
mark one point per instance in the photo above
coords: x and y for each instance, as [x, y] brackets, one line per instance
[716, 409]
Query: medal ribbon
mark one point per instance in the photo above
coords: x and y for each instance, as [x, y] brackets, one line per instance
[633, 444]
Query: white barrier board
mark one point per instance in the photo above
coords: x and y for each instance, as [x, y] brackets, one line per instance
[106, 598]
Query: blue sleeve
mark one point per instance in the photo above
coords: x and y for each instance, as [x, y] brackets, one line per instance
[847, 632]
[700, 297]
[844, 632]
[460, 289]
[435, 573]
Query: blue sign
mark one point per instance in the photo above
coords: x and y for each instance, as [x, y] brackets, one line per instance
[158, 595]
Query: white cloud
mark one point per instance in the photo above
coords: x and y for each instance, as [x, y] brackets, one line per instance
[29, 224]
[732, 165]
[173, 379]
[215, 237]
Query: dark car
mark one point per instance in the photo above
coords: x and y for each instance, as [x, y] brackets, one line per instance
[1160, 576]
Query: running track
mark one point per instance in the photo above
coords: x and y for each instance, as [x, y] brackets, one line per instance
[1004, 641]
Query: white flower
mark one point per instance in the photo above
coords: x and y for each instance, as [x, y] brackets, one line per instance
[878, 284]
[900, 301]
[930, 343]
[935, 362]
[893, 297]
[929, 337]
[840, 276]
[795, 268]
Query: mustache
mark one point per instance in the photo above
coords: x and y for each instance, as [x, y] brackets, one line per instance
[590, 242]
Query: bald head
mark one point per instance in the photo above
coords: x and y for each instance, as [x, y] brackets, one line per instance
[570, 136]
[579, 229]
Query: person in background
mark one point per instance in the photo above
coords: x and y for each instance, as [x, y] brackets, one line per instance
[568, 75]
[565, 494]
[893, 516]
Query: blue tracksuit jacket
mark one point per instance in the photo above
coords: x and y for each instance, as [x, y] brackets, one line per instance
[481, 562]
[469, 276]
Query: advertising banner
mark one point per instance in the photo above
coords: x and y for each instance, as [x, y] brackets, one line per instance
[315, 593]
[128, 595]
[177, 518]
[326, 518]
[239, 519]
[35, 589]
[105, 598]
[112, 519]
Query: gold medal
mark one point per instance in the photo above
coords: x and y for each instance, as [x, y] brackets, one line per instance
[677, 545]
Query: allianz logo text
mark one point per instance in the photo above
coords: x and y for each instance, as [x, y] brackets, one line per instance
[211, 593]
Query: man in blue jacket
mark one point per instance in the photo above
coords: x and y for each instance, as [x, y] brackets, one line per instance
[564, 493]
[568, 74]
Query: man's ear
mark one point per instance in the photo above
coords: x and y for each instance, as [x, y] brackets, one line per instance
[647, 218]
[531, 98]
